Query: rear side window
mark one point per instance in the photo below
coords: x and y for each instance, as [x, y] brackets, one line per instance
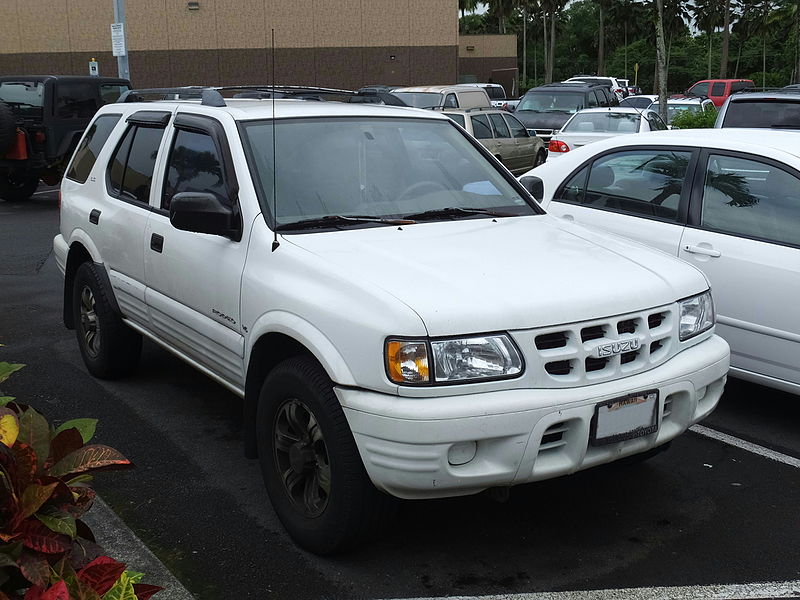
[457, 118]
[481, 128]
[450, 101]
[92, 143]
[718, 89]
[194, 166]
[643, 183]
[701, 89]
[76, 100]
[741, 85]
[763, 113]
[131, 169]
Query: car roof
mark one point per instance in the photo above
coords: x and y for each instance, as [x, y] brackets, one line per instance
[246, 109]
[430, 88]
[687, 100]
[781, 94]
[734, 138]
[476, 111]
[615, 109]
[569, 85]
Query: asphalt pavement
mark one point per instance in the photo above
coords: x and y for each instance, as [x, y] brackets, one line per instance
[705, 513]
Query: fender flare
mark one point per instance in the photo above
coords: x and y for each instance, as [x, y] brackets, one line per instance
[308, 335]
[79, 236]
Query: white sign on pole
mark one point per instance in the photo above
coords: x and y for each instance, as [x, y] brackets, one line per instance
[118, 39]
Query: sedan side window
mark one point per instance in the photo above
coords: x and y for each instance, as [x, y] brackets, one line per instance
[500, 126]
[517, 128]
[481, 127]
[644, 183]
[751, 198]
[194, 166]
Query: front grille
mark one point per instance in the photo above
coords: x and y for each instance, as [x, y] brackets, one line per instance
[554, 436]
[570, 355]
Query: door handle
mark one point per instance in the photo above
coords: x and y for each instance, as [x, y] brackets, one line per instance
[702, 250]
[94, 216]
[157, 242]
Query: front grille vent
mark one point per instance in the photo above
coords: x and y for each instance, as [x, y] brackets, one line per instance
[626, 326]
[656, 346]
[655, 320]
[595, 364]
[554, 436]
[593, 333]
[628, 357]
[559, 367]
[548, 341]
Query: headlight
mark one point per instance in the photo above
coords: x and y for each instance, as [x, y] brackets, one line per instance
[456, 360]
[697, 315]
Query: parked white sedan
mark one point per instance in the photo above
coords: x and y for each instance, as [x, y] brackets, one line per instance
[596, 124]
[724, 205]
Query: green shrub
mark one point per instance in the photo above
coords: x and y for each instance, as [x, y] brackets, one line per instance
[695, 120]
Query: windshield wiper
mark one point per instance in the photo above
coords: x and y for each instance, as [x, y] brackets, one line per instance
[20, 104]
[457, 211]
[334, 220]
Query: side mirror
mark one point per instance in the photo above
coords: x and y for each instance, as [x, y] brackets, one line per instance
[534, 185]
[202, 212]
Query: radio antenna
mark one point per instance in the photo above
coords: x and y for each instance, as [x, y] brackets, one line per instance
[275, 242]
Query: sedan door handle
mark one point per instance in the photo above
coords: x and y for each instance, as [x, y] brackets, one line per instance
[702, 250]
[157, 242]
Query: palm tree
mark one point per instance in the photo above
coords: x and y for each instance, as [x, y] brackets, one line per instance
[707, 17]
[726, 34]
[466, 6]
[661, 60]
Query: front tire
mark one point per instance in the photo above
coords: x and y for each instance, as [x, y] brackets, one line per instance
[310, 463]
[110, 349]
[17, 188]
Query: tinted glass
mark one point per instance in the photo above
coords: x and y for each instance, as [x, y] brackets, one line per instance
[495, 92]
[637, 102]
[640, 182]
[763, 113]
[718, 89]
[458, 118]
[116, 169]
[751, 198]
[592, 100]
[701, 89]
[517, 129]
[110, 93]
[92, 143]
[500, 126]
[194, 166]
[606, 121]
[656, 124]
[141, 163]
[741, 85]
[555, 101]
[481, 128]
[75, 100]
[575, 188]
[383, 167]
[676, 108]
[450, 101]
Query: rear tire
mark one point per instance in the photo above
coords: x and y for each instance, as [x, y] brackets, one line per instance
[17, 189]
[110, 349]
[311, 466]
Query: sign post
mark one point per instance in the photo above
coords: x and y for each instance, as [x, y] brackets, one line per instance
[119, 42]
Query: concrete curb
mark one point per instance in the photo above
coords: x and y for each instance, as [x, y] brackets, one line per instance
[122, 544]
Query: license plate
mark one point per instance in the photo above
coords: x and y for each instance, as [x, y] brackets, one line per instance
[625, 418]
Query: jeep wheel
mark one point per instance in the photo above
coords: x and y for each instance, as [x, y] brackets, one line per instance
[8, 128]
[16, 188]
[311, 466]
[109, 348]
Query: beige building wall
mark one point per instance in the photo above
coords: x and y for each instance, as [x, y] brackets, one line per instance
[323, 42]
[489, 57]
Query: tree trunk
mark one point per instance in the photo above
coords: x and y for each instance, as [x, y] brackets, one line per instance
[601, 38]
[669, 50]
[661, 61]
[545, 61]
[552, 55]
[797, 43]
[625, 29]
[709, 54]
[738, 57]
[726, 34]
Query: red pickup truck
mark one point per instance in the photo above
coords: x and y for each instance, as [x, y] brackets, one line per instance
[718, 90]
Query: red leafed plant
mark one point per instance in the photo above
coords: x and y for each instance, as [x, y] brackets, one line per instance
[46, 551]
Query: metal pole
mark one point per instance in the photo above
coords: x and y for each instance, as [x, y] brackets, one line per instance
[122, 61]
[524, 46]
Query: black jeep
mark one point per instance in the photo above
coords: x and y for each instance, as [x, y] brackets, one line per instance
[42, 118]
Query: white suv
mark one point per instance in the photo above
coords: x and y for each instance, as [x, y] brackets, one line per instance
[398, 313]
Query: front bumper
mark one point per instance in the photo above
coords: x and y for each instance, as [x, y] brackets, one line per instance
[407, 444]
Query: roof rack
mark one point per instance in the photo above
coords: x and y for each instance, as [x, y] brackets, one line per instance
[474, 108]
[212, 95]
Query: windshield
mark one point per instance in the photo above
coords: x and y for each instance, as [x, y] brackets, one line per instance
[676, 109]
[382, 168]
[763, 113]
[606, 122]
[23, 94]
[420, 99]
[566, 102]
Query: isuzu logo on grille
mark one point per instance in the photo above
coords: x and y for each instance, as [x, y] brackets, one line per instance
[619, 347]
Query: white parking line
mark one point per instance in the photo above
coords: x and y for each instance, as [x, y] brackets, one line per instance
[744, 591]
[750, 447]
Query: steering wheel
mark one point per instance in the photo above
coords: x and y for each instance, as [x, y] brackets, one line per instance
[425, 184]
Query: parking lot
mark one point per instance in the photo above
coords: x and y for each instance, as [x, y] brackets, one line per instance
[707, 512]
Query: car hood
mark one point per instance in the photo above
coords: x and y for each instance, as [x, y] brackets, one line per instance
[542, 120]
[482, 275]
